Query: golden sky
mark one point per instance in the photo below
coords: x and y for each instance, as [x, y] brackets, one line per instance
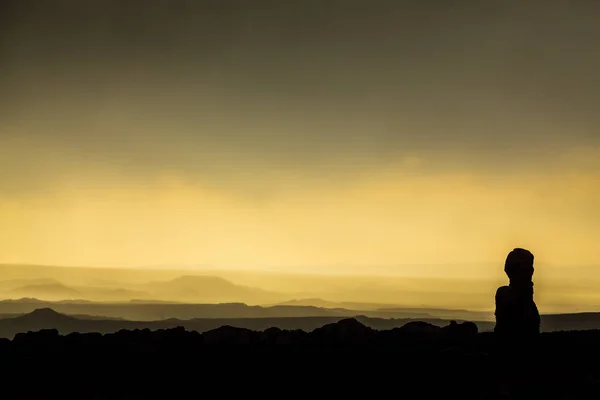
[387, 217]
[342, 135]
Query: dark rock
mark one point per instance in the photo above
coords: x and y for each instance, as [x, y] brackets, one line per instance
[345, 331]
[229, 335]
[419, 328]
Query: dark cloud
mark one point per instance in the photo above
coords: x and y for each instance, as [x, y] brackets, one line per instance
[239, 88]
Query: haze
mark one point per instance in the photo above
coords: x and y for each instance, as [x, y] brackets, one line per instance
[423, 139]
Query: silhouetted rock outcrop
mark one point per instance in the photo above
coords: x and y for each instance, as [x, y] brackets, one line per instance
[464, 330]
[345, 332]
[228, 335]
[419, 328]
[418, 356]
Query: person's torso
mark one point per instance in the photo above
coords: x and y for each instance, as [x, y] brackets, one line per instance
[516, 311]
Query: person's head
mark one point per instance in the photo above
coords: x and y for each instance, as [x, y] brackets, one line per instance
[519, 265]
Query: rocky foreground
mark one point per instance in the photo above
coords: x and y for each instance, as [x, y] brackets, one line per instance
[340, 359]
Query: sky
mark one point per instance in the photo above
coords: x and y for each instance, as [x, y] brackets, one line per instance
[343, 134]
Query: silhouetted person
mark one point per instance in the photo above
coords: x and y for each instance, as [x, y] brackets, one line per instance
[517, 316]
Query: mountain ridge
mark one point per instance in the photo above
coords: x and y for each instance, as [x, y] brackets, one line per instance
[47, 318]
[406, 292]
[140, 310]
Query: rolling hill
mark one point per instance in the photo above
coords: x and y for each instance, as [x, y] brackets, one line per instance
[43, 316]
[393, 310]
[154, 310]
[208, 289]
[47, 318]
[187, 288]
[48, 291]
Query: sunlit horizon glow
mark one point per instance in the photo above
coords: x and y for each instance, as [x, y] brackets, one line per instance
[386, 218]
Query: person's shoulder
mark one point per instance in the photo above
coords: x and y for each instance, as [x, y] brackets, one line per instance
[503, 291]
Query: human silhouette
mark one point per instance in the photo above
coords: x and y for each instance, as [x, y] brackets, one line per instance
[516, 313]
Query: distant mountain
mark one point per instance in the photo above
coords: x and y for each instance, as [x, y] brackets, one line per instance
[48, 317]
[393, 311]
[45, 318]
[11, 284]
[142, 310]
[26, 300]
[208, 289]
[153, 310]
[313, 302]
[34, 301]
[75, 301]
[562, 292]
[189, 288]
[442, 313]
[59, 292]
[151, 301]
[46, 291]
[36, 320]
[113, 294]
